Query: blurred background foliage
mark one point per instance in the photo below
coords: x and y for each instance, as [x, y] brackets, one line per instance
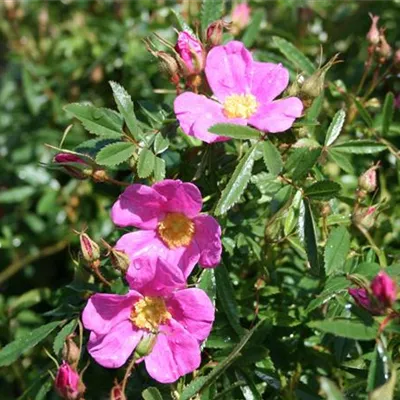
[55, 53]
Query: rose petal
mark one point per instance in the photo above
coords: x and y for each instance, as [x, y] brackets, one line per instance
[277, 116]
[269, 81]
[103, 311]
[229, 70]
[163, 278]
[196, 114]
[182, 197]
[208, 238]
[140, 206]
[175, 353]
[114, 348]
[193, 309]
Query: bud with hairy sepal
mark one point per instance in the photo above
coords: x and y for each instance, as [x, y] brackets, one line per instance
[89, 248]
[367, 181]
[215, 32]
[191, 54]
[70, 352]
[365, 217]
[384, 289]
[119, 259]
[73, 165]
[313, 86]
[68, 383]
[373, 33]
[145, 346]
[384, 50]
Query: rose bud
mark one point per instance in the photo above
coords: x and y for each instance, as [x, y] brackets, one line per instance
[215, 32]
[384, 289]
[367, 181]
[117, 393]
[364, 300]
[145, 345]
[90, 249]
[240, 17]
[168, 66]
[191, 53]
[68, 383]
[73, 165]
[119, 259]
[365, 217]
[70, 351]
[384, 50]
[373, 33]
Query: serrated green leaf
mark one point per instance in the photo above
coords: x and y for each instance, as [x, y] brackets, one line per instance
[237, 183]
[13, 350]
[294, 55]
[125, 107]
[211, 10]
[379, 368]
[336, 250]
[146, 163]
[272, 158]
[207, 282]
[330, 389]
[300, 161]
[151, 393]
[99, 121]
[388, 110]
[235, 131]
[161, 144]
[159, 169]
[16, 195]
[308, 235]
[323, 190]
[253, 28]
[346, 328]
[183, 25]
[335, 127]
[364, 114]
[115, 153]
[342, 160]
[359, 147]
[59, 340]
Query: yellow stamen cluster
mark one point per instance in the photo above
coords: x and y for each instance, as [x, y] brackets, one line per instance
[176, 230]
[149, 312]
[240, 106]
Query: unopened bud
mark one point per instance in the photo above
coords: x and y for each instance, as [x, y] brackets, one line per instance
[367, 181]
[90, 249]
[117, 393]
[215, 32]
[384, 289]
[240, 17]
[191, 53]
[384, 50]
[145, 346]
[120, 260]
[365, 217]
[68, 383]
[373, 33]
[70, 351]
[73, 165]
[168, 65]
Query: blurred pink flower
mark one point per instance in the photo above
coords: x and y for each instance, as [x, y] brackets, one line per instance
[241, 16]
[67, 383]
[179, 319]
[191, 52]
[245, 90]
[384, 289]
[170, 226]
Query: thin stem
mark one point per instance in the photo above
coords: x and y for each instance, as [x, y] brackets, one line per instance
[80, 338]
[115, 182]
[365, 74]
[100, 276]
[127, 374]
[378, 251]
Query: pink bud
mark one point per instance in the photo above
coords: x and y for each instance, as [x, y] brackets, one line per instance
[69, 162]
[67, 383]
[365, 217]
[89, 248]
[241, 16]
[367, 181]
[363, 300]
[191, 52]
[384, 289]
[373, 33]
[215, 32]
[117, 393]
[384, 49]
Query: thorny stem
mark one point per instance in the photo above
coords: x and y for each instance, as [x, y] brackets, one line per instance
[388, 318]
[378, 251]
[127, 374]
[394, 150]
[377, 82]
[365, 74]
[115, 182]
[99, 275]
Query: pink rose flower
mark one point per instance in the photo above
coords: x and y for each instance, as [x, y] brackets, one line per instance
[179, 319]
[241, 16]
[245, 91]
[191, 52]
[170, 226]
[67, 382]
[384, 289]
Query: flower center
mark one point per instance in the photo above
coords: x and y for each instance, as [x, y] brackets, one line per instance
[149, 312]
[176, 230]
[240, 106]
